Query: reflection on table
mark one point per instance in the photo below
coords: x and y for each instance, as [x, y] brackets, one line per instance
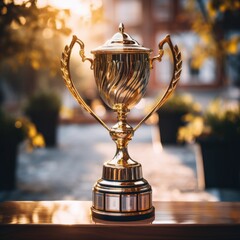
[72, 220]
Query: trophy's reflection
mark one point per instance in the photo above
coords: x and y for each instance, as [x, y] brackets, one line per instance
[118, 221]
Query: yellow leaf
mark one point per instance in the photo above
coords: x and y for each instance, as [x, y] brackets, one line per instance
[35, 64]
[38, 141]
[232, 47]
[32, 131]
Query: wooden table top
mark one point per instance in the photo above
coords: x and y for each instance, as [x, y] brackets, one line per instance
[72, 220]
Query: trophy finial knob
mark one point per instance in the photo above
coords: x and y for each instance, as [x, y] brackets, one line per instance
[121, 28]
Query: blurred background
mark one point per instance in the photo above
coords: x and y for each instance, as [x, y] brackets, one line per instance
[50, 149]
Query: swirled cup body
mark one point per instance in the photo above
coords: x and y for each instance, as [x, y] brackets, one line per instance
[121, 78]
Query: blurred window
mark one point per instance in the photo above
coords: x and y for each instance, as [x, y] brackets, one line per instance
[129, 12]
[162, 10]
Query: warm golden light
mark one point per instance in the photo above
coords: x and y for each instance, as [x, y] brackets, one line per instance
[69, 212]
[81, 8]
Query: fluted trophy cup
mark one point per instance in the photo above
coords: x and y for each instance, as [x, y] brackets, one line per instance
[121, 70]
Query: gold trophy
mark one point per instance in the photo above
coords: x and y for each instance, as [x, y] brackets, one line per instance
[121, 69]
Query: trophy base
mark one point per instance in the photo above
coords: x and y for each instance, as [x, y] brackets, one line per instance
[122, 200]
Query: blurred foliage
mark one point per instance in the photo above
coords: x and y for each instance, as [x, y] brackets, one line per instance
[26, 31]
[43, 102]
[181, 103]
[33, 139]
[215, 21]
[220, 120]
[13, 131]
[7, 128]
[43, 109]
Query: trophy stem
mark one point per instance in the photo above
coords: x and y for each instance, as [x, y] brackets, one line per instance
[122, 167]
[121, 134]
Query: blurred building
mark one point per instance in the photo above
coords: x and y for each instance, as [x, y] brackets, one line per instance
[148, 22]
[94, 22]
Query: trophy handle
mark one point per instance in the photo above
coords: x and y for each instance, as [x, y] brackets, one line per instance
[65, 60]
[177, 64]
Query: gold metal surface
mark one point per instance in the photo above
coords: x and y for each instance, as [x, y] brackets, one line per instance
[121, 42]
[121, 78]
[121, 70]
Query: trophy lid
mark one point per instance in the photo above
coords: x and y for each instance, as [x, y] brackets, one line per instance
[121, 42]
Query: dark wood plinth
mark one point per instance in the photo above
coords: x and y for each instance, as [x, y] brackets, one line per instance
[72, 220]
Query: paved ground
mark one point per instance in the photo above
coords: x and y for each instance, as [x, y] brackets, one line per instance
[69, 171]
